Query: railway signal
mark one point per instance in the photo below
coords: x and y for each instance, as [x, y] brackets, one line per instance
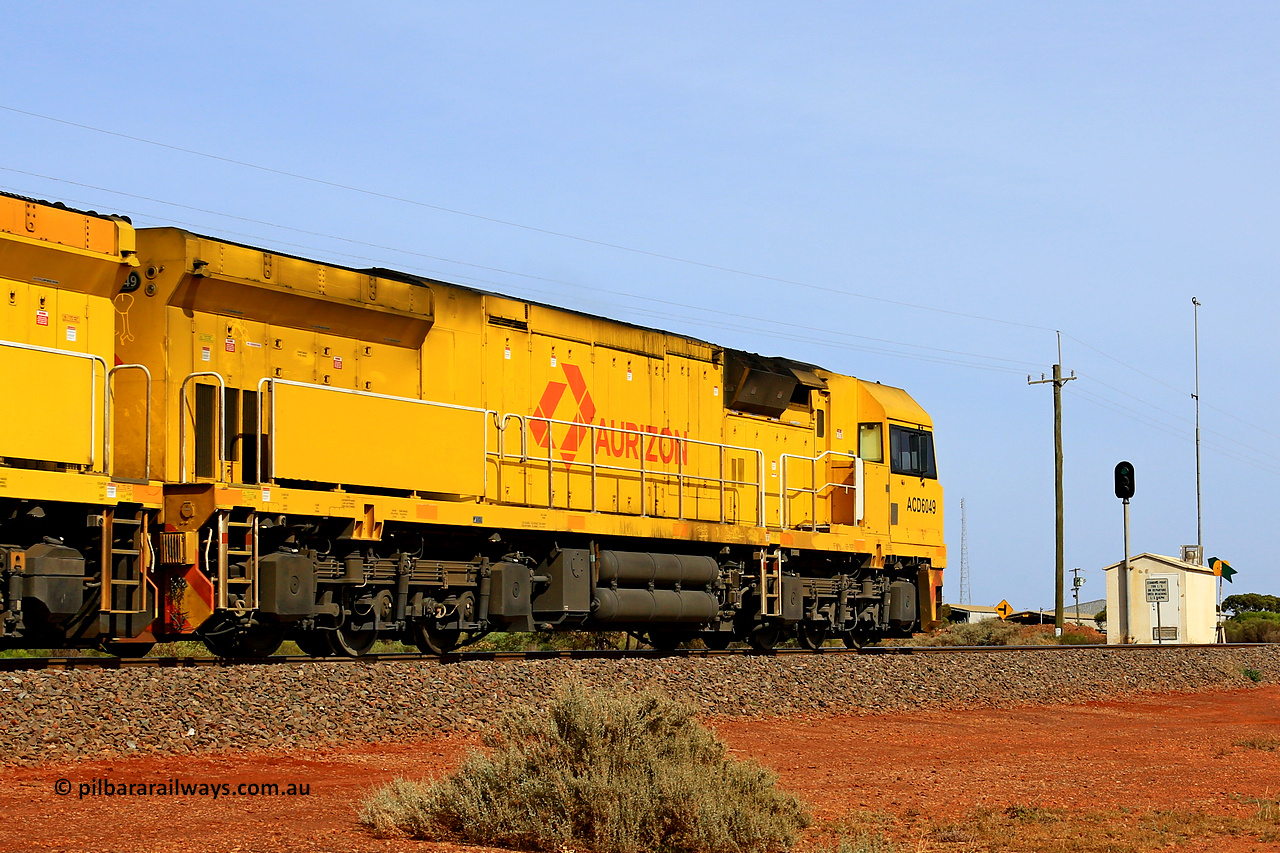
[1124, 481]
[1124, 491]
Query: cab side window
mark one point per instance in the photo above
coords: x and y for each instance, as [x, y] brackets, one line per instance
[871, 442]
[911, 452]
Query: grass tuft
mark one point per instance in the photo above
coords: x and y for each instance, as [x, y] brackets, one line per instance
[612, 773]
[1266, 744]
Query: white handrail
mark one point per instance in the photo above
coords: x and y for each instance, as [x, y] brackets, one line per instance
[270, 381]
[182, 424]
[785, 492]
[93, 410]
[147, 429]
[680, 475]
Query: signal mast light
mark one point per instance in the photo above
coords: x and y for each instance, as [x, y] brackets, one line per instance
[1124, 480]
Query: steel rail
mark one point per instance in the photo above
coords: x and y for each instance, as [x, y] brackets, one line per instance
[71, 663]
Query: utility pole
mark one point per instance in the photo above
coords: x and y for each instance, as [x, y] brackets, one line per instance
[1058, 381]
[1195, 312]
[966, 594]
[1076, 583]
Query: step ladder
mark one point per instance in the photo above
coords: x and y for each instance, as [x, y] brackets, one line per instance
[128, 600]
[771, 583]
[237, 539]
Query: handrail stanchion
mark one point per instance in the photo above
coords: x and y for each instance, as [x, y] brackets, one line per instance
[593, 467]
[147, 415]
[182, 425]
[644, 494]
[679, 480]
[721, 460]
[813, 481]
[264, 476]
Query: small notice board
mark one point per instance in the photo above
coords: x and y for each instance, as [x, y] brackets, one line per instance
[1157, 590]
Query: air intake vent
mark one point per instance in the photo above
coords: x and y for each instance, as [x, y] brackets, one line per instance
[509, 323]
[179, 549]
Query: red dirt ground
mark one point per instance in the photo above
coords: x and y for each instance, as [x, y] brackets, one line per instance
[1164, 752]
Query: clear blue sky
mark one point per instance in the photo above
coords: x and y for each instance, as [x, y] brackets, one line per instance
[1074, 166]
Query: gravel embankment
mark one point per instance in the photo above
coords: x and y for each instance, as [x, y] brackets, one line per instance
[50, 715]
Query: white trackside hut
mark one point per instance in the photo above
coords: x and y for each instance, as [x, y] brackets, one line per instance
[1168, 601]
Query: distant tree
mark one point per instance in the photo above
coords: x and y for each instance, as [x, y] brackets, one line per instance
[1100, 618]
[1251, 602]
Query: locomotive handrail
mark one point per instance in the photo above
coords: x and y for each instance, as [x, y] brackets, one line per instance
[182, 424]
[500, 423]
[93, 410]
[147, 429]
[680, 475]
[785, 492]
[271, 460]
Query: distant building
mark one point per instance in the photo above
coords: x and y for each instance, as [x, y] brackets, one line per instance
[973, 613]
[1088, 610]
[1165, 600]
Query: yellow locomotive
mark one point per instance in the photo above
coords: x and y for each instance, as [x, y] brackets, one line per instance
[335, 455]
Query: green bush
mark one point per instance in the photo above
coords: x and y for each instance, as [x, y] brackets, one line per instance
[612, 773]
[1253, 627]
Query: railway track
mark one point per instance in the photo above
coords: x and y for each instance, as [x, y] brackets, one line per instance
[70, 663]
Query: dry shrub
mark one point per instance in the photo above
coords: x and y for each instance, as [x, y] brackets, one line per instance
[612, 773]
[1266, 744]
[996, 632]
[989, 632]
[1081, 635]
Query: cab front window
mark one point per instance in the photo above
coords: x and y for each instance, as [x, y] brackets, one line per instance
[911, 452]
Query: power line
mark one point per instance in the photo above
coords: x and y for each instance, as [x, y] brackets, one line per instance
[601, 243]
[511, 224]
[595, 289]
[1179, 417]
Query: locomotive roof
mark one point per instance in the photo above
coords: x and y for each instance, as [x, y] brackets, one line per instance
[409, 278]
[111, 217]
[424, 281]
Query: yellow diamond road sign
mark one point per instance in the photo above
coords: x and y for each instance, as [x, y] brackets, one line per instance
[1004, 608]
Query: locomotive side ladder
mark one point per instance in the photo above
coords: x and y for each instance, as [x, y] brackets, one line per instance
[237, 540]
[771, 583]
[126, 558]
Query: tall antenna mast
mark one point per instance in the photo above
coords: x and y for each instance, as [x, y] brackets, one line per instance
[966, 594]
[1195, 312]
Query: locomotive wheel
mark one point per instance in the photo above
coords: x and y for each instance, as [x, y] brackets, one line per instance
[431, 640]
[257, 641]
[262, 640]
[718, 641]
[851, 642]
[812, 635]
[666, 641]
[314, 643]
[127, 650]
[765, 637]
[351, 643]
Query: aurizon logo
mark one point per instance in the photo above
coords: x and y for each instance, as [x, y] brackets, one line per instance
[570, 401]
[584, 412]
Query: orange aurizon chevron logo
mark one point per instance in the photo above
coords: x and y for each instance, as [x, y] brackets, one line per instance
[576, 407]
